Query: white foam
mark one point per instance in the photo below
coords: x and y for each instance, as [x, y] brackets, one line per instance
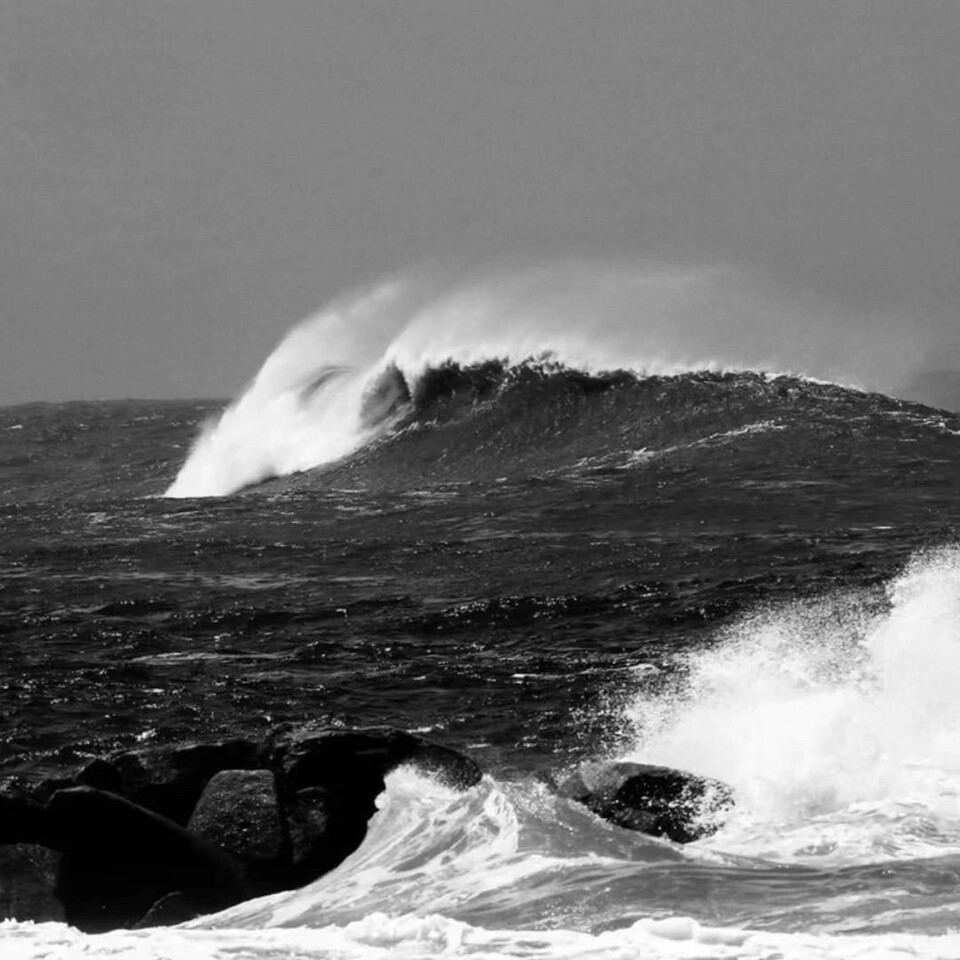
[837, 722]
[379, 936]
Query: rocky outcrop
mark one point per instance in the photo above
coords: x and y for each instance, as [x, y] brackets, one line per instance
[659, 801]
[119, 858]
[28, 882]
[170, 779]
[161, 835]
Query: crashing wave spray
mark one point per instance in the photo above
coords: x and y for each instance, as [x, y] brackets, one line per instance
[314, 400]
[836, 722]
[338, 380]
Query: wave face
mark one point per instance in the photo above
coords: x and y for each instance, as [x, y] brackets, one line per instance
[369, 363]
[540, 420]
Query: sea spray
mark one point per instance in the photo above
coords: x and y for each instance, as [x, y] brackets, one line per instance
[305, 406]
[836, 721]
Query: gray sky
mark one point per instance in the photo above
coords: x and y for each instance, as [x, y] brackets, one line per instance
[182, 180]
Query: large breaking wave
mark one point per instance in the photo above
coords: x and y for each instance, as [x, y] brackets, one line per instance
[350, 374]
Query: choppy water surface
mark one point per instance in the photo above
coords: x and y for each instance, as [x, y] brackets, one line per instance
[757, 578]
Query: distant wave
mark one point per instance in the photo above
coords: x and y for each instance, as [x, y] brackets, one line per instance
[493, 420]
[407, 351]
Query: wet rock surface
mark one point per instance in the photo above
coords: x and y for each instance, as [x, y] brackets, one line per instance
[656, 800]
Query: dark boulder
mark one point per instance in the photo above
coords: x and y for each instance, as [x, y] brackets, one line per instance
[119, 859]
[22, 818]
[28, 882]
[359, 759]
[659, 801]
[351, 763]
[452, 769]
[324, 830]
[169, 779]
[331, 779]
[239, 811]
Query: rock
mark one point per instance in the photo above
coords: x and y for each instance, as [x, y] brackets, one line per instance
[349, 761]
[120, 858]
[169, 780]
[308, 757]
[102, 775]
[28, 883]
[659, 801]
[333, 778]
[324, 831]
[22, 819]
[239, 811]
[451, 768]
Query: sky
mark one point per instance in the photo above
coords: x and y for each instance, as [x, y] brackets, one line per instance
[183, 180]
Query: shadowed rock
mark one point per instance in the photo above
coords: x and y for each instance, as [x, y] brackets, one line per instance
[28, 882]
[169, 780]
[22, 818]
[360, 759]
[119, 859]
[324, 831]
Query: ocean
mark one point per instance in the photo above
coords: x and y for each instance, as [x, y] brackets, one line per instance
[746, 574]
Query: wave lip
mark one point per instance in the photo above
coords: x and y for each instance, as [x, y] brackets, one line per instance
[267, 434]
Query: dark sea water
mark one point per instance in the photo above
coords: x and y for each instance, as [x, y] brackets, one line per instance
[752, 577]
